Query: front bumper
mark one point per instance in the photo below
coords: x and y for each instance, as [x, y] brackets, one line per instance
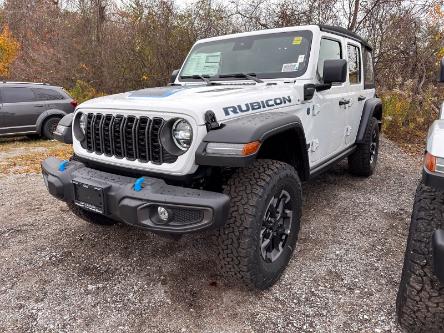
[190, 209]
[438, 254]
[435, 180]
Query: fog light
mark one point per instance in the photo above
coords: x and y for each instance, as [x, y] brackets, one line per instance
[163, 213]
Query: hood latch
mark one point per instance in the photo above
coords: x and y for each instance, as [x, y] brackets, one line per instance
[211, 121]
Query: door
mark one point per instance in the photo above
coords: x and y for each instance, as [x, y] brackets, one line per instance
[19, 110]
[328, 116]
[355, 94]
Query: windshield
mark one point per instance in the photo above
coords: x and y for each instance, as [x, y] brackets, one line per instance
[277, 55]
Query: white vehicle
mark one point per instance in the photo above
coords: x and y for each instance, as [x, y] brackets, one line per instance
[420, 301]
[226, 145]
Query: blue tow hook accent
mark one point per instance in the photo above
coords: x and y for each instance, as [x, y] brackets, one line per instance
[63, 165]
[138, 184]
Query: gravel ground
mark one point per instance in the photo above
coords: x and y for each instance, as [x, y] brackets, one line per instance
[59, 274]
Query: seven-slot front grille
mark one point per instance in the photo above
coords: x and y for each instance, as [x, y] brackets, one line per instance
[130, 137]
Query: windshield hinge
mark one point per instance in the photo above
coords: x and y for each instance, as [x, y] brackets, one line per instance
[211, 121]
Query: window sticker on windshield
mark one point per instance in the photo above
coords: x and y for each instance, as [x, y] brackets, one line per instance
[301, 58]
[297, 40]
[202, 64]
[293, 67]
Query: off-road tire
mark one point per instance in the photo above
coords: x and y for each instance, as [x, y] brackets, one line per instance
[88, 216]
[420, 301]
[49, 127]
[250, 190]
[361, 163]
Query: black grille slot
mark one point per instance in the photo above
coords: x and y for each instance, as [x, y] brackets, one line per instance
[130, 137]
[117, 136]
[156, 148]
[97, 133]
[107, 138]
[143, 140]
[89, 132]
[127, 137]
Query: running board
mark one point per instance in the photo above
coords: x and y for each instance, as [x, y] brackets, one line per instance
[330, 162]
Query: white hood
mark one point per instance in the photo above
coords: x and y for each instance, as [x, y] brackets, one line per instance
[226, 101]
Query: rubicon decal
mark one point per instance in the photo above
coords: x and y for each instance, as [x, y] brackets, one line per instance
[255, 106]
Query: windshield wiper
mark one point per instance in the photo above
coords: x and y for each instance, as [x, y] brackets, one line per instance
[198, 76]
[250, 76]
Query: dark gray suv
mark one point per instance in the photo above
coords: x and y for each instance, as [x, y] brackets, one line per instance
[32, 108]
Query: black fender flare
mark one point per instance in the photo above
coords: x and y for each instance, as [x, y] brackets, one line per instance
[372, 108]
[45, 115]
[258, 127]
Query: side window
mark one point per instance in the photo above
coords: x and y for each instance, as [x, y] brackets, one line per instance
[354, 64]
[329, 49]
[17, 95]
[369, 75]
[42, 94]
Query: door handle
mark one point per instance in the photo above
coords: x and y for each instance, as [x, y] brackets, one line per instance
[344, 101]
[38, 106]
[361, 98]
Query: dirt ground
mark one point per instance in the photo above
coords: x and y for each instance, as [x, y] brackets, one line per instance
[60, 274]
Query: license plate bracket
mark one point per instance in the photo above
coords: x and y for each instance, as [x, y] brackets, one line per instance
[90, 197]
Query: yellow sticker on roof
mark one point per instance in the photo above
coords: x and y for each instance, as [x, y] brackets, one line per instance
[297, 40]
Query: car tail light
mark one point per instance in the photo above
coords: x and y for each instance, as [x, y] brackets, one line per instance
[74, 103]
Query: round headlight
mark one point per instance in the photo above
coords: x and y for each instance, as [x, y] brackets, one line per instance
[182, 134]
[82, 123]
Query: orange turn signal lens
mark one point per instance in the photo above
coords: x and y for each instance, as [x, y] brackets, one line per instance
[251, 148]
[233, 149]
[430, 162]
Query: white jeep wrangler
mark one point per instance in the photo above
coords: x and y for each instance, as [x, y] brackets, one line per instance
[226, 145]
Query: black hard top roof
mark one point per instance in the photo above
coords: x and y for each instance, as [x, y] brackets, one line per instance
[345, 33]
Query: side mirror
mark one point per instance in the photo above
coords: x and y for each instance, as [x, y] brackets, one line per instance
[335, 71]
[174, 75]
[441, 71]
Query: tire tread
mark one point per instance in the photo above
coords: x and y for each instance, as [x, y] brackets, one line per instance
[420, 300]
[359, 161]
[237, 239]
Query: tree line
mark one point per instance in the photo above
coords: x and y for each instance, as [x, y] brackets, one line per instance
[109, 46]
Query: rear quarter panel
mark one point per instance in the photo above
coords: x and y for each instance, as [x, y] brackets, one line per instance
[62, 105]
